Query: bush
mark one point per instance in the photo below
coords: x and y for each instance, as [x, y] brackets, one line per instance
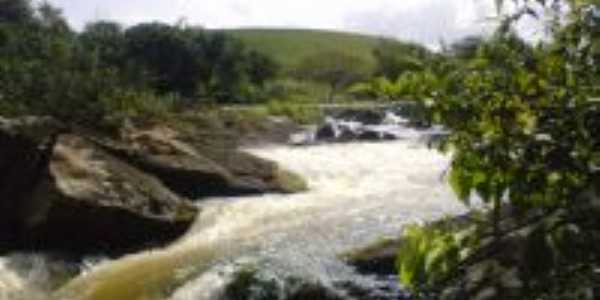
[133, 103]
[522, 122]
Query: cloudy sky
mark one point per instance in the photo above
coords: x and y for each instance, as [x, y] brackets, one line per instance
[425, 21]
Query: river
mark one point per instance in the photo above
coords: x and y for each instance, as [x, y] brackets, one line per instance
[359, 193]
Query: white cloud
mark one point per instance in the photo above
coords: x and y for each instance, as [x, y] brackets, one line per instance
[425, 21]
[429, 23]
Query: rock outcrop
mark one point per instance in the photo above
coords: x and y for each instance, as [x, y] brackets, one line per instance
[59, 191]
[73, 190]
[196, 169]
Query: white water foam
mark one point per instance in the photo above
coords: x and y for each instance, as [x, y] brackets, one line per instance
[358, 194]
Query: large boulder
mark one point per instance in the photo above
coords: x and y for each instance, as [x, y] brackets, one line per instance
[85, 191]
[62, 192]
[197, 170]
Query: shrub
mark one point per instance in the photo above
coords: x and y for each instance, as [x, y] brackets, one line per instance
[133, 103]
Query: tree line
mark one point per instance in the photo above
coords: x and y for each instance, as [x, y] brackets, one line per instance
[48, 68]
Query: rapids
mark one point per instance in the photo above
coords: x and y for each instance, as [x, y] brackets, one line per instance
[358, 194]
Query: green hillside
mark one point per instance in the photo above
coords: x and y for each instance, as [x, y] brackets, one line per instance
[290, 46]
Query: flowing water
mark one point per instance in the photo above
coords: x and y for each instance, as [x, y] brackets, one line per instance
[358, 194]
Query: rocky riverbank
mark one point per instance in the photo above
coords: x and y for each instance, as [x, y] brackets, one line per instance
[70, 189]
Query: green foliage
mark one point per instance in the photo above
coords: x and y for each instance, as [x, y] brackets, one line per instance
[394, 59]
[380, 88]
[295, 91]
[16, 11]
[465, 48]
[522, 123]
[431, 255]
[261, 68]
[141, 103]
[426, 256]
[105, 41]
[336, 69]
[403, 88]
[46, 68]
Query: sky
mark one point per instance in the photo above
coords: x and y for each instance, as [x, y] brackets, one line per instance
[424, 21]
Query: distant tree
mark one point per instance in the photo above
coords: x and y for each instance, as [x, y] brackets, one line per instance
[106, 41]
[47, 68]
[161, 52]
[51, 18]
[261, 68]
[337, 70]
[16, 11]
[394, 58]
[466, 48]
[222, 65]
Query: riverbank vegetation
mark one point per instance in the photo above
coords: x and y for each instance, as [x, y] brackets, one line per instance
[149, 68]
[522, 119]
[154, 69]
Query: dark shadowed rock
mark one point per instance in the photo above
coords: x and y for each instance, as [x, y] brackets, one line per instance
[327, 132]
[61, 192]
[261, 284]
[370, 135]
[178, 165]
[196, 170]
[387, 136]
[83, 191]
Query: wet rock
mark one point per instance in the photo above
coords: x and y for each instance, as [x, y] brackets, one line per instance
[378, 259]
[178, 165]
[344, 130]
[327, 132]
[60, 191]
[262, 284]
[201, 171]
[255, 284]
[387, 136]
[76, 190]
[370, 135]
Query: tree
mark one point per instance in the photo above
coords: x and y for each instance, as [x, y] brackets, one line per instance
[106, 42]
[16, 11]
[337, 70]
[261, 68]
[222, 65]
[395, 58]
[162, 52]
[46, 68]
[522, 120]
[467, 47]
[52, 18]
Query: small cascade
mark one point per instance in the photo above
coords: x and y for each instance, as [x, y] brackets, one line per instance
[393, 123]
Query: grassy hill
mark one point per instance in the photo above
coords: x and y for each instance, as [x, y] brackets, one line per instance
[290, 46]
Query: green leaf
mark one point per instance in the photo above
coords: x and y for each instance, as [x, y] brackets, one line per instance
[461, 183]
